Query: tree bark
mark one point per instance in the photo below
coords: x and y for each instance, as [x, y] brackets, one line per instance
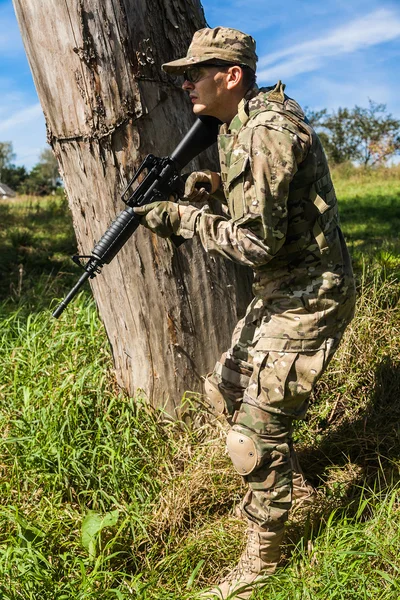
[168, 312]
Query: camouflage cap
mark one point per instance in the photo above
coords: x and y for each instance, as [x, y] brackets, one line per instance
[221, 43]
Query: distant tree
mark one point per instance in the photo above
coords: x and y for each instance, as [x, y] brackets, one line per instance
[14, 177]
[368, 136]
[44, 177]
[315, 117]
[6, 156]
[49, 167]
[37, 184]
[336, 133]
[377, 134]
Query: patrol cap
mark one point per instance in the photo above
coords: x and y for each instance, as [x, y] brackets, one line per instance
[221, 43]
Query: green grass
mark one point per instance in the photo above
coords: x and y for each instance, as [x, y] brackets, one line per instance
[36, 241]
[370, 215]
[102, 497]
[347, 558]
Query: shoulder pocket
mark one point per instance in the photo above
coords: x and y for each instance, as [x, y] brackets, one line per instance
[236, 169]
[235, 187]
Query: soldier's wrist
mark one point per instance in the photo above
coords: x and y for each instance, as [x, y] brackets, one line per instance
[188, 219]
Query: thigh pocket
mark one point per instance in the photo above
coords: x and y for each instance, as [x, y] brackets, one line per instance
[285, 381]
[305, 372]
[273, 377]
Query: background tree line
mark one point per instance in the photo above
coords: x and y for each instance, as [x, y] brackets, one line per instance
[365, 136]
[43, 179]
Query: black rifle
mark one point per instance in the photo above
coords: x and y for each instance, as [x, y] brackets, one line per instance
[161, 181]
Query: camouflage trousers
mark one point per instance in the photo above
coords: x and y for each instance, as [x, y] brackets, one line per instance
[263, 387]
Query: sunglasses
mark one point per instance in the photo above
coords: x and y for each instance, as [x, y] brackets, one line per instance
[194, 74]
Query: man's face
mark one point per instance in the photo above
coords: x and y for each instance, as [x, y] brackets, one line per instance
[206, 86]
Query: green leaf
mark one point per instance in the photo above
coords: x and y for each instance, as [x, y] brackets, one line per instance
[92, 525]
[28, 531]
[194, 574]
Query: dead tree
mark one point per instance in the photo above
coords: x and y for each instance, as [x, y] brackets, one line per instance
[168, 312]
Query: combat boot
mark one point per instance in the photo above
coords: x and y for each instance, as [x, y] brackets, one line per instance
[258, 561]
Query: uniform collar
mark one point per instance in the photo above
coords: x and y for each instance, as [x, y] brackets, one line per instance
[242, 115]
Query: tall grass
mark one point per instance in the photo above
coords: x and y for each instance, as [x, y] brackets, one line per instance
[103, 497]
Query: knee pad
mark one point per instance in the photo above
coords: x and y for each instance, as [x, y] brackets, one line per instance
[249, 450]
[242, 451]
[214, 397]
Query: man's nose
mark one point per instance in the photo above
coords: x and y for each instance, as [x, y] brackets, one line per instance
[187, 85]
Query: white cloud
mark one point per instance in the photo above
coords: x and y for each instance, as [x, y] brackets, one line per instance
[26, 129]
[21, 117]
[348, 92]
[12, 100]
[380, 26]
[290, 67]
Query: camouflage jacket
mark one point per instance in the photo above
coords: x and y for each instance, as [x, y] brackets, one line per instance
[282, 219]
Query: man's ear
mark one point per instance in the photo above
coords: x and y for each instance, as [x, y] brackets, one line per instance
[235, 77]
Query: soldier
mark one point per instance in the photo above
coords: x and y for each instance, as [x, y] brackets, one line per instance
[281, 220]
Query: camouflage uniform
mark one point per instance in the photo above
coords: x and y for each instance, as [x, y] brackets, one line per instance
[284, 224]
[282, 221]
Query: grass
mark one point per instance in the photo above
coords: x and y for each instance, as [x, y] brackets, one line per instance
[370, 214]
[103, 497]
[36, 240]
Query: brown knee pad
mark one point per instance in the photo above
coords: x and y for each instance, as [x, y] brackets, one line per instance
[214, 398]
[221, 397]
[242, 450]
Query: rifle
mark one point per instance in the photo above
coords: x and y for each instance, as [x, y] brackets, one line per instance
[162, 180]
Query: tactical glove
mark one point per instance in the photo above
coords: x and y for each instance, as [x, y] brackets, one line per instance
[162, 218]
[193, 189]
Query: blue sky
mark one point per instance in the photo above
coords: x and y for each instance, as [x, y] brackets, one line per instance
[330, 53]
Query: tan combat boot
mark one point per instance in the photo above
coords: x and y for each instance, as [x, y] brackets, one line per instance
[258, 560]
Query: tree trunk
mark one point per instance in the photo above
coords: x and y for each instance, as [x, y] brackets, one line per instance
[168, 312]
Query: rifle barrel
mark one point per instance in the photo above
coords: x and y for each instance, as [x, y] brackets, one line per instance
[71, 294]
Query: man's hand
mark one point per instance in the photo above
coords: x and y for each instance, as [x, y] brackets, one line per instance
[162, 218]
[199, 193]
